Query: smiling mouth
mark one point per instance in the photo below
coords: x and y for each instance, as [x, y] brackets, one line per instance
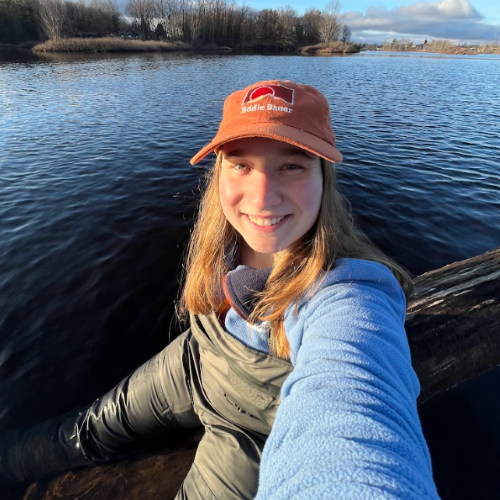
[266, 222]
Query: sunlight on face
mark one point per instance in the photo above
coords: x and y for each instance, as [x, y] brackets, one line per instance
[270, 193]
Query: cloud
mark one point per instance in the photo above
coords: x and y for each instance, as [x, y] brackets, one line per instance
[450, 9]
[454, 20]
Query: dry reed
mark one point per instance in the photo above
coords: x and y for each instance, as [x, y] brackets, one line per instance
[336, 47]
[109, 44]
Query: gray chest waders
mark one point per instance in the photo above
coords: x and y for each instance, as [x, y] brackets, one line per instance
[204, 377]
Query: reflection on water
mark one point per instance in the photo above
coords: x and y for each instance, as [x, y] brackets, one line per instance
[97, 196]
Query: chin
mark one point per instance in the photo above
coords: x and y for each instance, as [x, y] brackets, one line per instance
[266, 250]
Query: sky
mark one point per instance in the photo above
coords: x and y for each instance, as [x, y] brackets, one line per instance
[473, 21]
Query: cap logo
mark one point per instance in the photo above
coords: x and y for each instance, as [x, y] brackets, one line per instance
[275, 91]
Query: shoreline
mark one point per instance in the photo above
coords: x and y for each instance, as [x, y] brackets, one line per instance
[454, 51]
[106, 45]
[119, 45]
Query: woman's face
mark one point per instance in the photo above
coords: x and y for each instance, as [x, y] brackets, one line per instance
[270, 193]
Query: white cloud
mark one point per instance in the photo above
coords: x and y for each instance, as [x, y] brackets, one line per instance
[450, 9]
[449, 19]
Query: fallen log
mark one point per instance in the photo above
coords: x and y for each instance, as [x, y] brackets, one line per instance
[453, 330]
[156, 475]
[453, 322]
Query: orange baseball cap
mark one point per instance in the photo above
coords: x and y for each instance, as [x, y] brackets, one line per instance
[280, 110]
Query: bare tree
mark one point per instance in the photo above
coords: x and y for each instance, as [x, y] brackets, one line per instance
[195, 18]
[143, 11]
[229, 19]
[346, 33]
[107, 16]
[247, 24]
[266, 24]
[331, 22]
[310, 26]
[51, 14]
[19, 21]
[172, 16]
[286, 28]
[406, 45]
[163, 14]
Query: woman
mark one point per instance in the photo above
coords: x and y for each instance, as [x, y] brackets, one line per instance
[286, 302]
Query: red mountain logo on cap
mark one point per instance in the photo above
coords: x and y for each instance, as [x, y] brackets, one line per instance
[275, 91]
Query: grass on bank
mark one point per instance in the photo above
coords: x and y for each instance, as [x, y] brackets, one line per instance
[330, 48]
[108, 44]
[115, 44]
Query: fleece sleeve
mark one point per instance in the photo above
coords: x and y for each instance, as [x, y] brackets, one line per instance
[347, 427]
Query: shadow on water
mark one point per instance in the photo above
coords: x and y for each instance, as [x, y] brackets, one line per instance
[21, 55]
[15, 55]
[462, 430]
[18, 55]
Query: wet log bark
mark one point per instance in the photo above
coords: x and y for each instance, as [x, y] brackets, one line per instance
[453, 327]
[453, 322]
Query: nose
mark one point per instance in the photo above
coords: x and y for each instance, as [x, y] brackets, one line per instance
[264, 191]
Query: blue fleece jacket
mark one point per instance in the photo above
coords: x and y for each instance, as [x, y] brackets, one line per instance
[347, 427]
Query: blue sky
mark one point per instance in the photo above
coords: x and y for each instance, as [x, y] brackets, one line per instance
[476, 21]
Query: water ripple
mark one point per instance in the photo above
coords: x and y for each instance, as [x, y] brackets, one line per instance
[97, 195]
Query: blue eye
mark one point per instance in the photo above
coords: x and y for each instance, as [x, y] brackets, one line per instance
[240, 167]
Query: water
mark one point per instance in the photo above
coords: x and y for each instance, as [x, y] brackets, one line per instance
[97, 196]
[461, 428]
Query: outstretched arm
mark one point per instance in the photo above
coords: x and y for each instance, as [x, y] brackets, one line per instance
[348, 427]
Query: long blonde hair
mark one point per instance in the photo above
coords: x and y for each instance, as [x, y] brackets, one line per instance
[298, 270]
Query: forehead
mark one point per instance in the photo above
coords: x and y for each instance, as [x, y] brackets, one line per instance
[263, 146]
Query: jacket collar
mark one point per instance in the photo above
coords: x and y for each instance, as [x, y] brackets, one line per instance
[241, 286]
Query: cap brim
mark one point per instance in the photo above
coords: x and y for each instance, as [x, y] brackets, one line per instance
[278, 132]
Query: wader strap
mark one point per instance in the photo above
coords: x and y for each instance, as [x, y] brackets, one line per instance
[271, 343]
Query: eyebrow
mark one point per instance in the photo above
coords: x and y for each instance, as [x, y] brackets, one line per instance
[287, 152]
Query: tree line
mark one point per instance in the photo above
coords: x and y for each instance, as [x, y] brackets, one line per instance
[37, 20]
[197, 22]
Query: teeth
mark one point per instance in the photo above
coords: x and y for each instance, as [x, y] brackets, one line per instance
[265, 222]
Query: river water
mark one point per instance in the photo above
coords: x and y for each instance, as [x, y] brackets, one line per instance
[97, 196]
